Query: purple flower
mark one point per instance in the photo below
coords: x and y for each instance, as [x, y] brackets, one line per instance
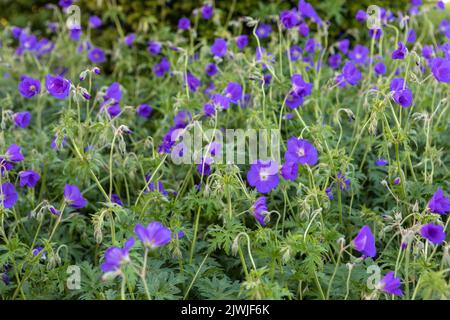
[65, 3]
[57, 86]
[204, 167]
[115, 257]
[154, 236]
[242, 41]
[343, 45]
[329, 193]
[75, 34]
[155, 187]
[97, 55]
[295, 52]
[433, 232]
[300, 87]
[334, 61]
[439, 203]
[95, 22]
[129, 39]
[22, 119]
[361, 16]
[310, 46]
[116, 199]
[54, 211]
[440, 68]
[411, 36]
[342, 181]
[16, 32]
[289, 170]
[36, 251]
[184, 23]
[113, 92]
[359, 54]
[207, 11]
[300, 151]
[289, 18]
[375, 33]
[54, 142]
[209, 110]
[303, 29]
[8, 195]
[400, 52]
[263, 30]
[403, 97]
[211, 69]
[154, 47]
[380, 68]
[350, 75]
[364, 242]
[144, 110]
[28, 178]
[440, 5]
[161, 68]
[390, 284]
[192, 81]
[397, 181]
[307, 11]
[260, 210]
[233, 91]
[29, 87]
[219, 47]
[14, 154]
[73, 197]
[381, 162]
[263, 175]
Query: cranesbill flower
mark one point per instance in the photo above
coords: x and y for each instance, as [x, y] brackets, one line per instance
[359, 54]
[219, 47]
[329, 193]
[440, 68]
[343, 45]
[211, 69]
[209, 110]
[381, 162]
[36, 251]
[411, 36]
[361, 16]
[16, 32]
[57, 86]
[184, 23]
[161, 68]
[303, 29]
[263, 30]
[22, 119]
[263, 175]
[400, 52]
[29, 87]
[95, 22]
[154, 47]
[300, 151]
[375, 33]
[289, 18]
[129, 39]
[433, 232]
[144, 110]
[115, 198]
[242, 41]
[289, 170]
[300, 86]
[233, 91]
[65, 3]
[28, 178]
[295, 53]
[350, 75]
[115, 257]
[306, 10]
[260, 210]
[192, 81]
[427, 51]
[8, 195]
[204, 167]
[207, 11]
[155, 187]
[14, 154]
[342, 181]
[154, 235]
[75, 33]
[403, 97]
[73, 197]
[97, 55]
[364, 242]
[334, 61]
[293, 100]
[391, 284]
[310, 45]
[379, 68]
[439, 203]
[440, 5]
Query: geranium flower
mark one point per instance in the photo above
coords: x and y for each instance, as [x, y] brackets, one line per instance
[400, 52]
[391, 284]
[440, 68]
[242, 41]
[364, 242]
[95, 22]
[154, 47]
[115, 257]
[57, 86]
[219, 47]
[154, 235]
[433, 232]
[73, 197]
[161, 68]
[29, 87]
[184, 23]
[260, 210]
[28, 178]
[8, 195]
[359, 54]
[289, 170]
[263, 175]
[207, 11]
[144, 110]
[439, 203]
[22, 119]
[301, 151]
[97, 55]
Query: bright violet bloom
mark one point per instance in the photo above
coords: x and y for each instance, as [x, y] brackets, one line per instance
[204, 167]
[242, 41]
[144, 110]
[295, 53]
[95, 22]
[115, 257]
[381, 162]
[29, 87]
[184, 23]
[162, 67]
[219, 47]
[427, 52]
[115, 198]
[342, 181]
[263, 175]
[154, 236]
[57, 86]
[289, 170]
[400, 52]
[402, 94]
[310, 46]
[350, 75]
[303, 29]
[364, 242]
[391, 285]
[192, 81]
[343, 45]
[207, 11]
[260, 210]
[300, 151]
[412, 36]
[8, 195]
[211, 69]
[439, 203]
[233, 91]
[440, 68]
[361, 16]
[334, 61]
[75, 34]
[28, 178]
[129, 39]
[22, 119]
[433, 232]
[307, 11]
[73, 197]
[14, 154]
[154, 47]
[97, 55]
[380, 68]
[359, 54]
[289, 18]
[263, 30]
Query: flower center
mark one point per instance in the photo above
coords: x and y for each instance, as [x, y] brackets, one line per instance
[263, 175]
[301, 152]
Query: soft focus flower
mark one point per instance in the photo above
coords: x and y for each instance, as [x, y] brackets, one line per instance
[350, 75]
[263, 175]
[28, 178]
[364, 242]
[303, 29]
[154, 235]
[73, 197]
[242, 41]
[22, 119]
[154, 47]
[334, 60]
[400, 52]
[439, 203]
[381, 162]
[359, 54]
[300, 151]
[289, 170]
[263, 30]
[57, 86]
[144, 110]
[14, 154]
[219, 47]
[115, 198]
[361, 16]
[440, 68]
[260, 210]
[75, 34]
[192, 81]
[8, 195]
[95, 22]
[211, 69]
[129, 39]
[343, 45]
[411, 36]
[97, 55]
[207, 11]
[380, 68]
[184, 23]
[29, 87]
[390, 284]
[161, 68]
[433, 232]
[289, 18]
[115, 257]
